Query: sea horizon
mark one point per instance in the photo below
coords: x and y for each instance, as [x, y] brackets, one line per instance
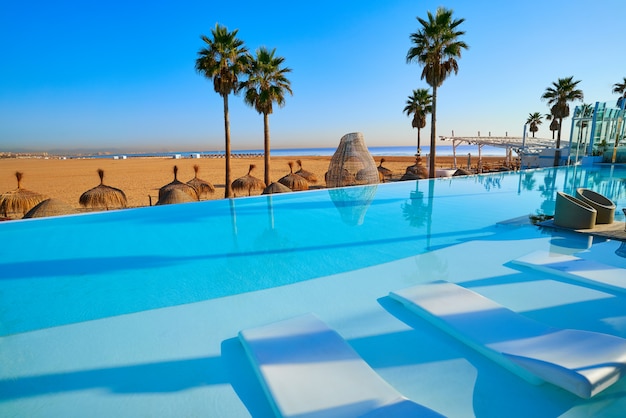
[399, 151]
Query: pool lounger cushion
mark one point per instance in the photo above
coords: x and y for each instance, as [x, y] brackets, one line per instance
[575, 269]
[581, 362]
[308, 370]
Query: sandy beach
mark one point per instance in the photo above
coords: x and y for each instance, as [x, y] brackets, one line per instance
[141, 178]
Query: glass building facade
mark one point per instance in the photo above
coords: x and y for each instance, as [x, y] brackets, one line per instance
[599, 130]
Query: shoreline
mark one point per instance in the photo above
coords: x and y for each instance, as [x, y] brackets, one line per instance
[141, 177]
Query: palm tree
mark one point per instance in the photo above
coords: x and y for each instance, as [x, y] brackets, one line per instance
[223, 59]
[554, 125]
[436, 48]
[558, 96]
[419, 105]
[534, 120]
[266, 85]
[585, 113]
[620, 88]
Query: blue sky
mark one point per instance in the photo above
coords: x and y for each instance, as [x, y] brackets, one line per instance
[120, 75]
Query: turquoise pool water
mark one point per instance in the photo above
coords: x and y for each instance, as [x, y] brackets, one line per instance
[70, 269]
[221, 266]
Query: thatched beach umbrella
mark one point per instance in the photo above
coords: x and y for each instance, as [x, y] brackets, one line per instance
[276, 187]
[383, 172]
[19, 200]
[244, 186]
[310, 177]
[294, 181]
[345, 178]
[177, 184]
[50, 207]
[103, 197]
[462, 172]
[173, 196]
[203, 188]
[416, 172]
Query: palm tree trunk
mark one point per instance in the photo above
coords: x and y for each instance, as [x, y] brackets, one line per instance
[557, 152]
[419, 140]
[266, 147]
[227, 189]
[433, 134]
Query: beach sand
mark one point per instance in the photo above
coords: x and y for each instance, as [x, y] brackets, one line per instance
[141, 178]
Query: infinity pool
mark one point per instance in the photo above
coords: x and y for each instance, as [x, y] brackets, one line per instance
[136, 312]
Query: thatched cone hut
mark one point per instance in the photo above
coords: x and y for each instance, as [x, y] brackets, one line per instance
[351, 158]
[276, 187]
[383, 172]
[248, 184]
[203, 187]
[294, 181]
[347, 179]
[103, 197]
[417, 171]
[19, 200]
[309, 176]
[462, 172]
[50, 207]
[177, 184]
[173, 196]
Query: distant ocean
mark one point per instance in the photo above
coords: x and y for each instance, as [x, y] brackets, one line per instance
[461, 150]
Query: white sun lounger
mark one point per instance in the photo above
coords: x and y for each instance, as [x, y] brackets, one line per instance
[581, 362]
[308, 370]
[577, 269]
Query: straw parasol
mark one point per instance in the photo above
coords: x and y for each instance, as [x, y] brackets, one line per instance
[173, 196]
[50, 207]
[462, 172]
[19, 200]
[103, 197]
[310, 177]
[276, 187]
[177, 184]
[203, 188]
[416, 171]
[384, 172]
[294, 181]
[346, 178]
[244, 186]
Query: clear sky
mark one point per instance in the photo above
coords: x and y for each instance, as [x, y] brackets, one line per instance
[120, 74]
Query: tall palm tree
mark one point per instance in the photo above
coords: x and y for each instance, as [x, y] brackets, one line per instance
[419, 105]
[620, 88]
[223, 59]
[558, 96]
[534, 120]
[554, 125]
[267, 84]
[436, 46]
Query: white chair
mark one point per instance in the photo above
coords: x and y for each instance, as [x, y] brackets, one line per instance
[308, 370]
[581, 362]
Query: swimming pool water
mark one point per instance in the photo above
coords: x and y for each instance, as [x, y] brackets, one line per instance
[64, 270]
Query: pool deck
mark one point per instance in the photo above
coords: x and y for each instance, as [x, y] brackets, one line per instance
[615, 230]
[187, 361]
